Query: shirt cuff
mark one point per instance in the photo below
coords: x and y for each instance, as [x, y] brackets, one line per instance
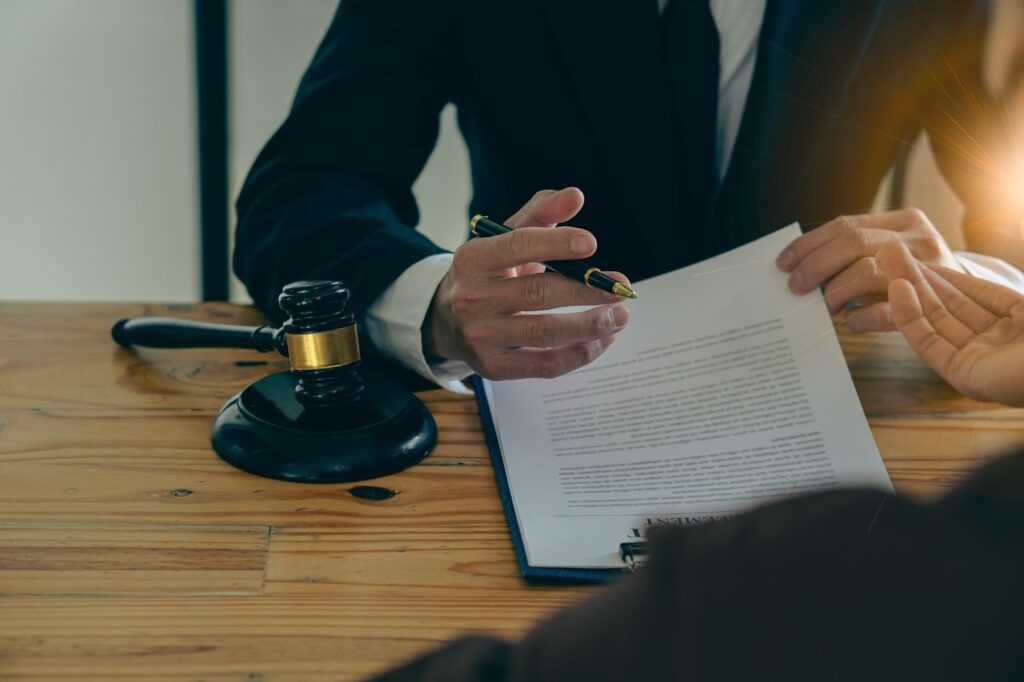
[992, 269]
[394, 323]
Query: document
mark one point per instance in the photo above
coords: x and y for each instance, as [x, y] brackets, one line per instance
[725, 391]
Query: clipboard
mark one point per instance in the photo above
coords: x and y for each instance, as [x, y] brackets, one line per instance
[633, 554]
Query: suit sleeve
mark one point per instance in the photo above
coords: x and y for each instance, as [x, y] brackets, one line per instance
[330, 195]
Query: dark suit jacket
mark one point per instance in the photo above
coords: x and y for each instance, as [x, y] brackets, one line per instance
[841, 586]
[552, 93]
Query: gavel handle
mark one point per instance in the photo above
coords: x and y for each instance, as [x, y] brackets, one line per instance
[168, 332]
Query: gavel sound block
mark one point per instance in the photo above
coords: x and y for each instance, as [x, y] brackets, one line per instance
[325, 421]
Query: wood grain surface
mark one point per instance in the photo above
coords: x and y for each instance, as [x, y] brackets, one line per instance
[129, 551]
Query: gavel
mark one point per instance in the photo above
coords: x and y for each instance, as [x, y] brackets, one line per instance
[326, 420]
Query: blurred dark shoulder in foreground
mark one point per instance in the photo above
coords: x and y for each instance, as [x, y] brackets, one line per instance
[845, 585]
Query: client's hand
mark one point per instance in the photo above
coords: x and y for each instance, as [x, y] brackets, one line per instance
[477, 314]
[969, 330]
[841, 256]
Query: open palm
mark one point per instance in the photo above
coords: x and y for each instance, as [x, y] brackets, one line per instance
[970, 331]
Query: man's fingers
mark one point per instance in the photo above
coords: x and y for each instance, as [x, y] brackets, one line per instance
[528, 269]
[963, 308]
[896, 261]
[873, 318]
[993, 297]
[909, 318]
[841, 227]
[834, 256]
[494, 256]
[544, 291]
[544, 363]
[547, 208]
[861, 278]
[557, 329]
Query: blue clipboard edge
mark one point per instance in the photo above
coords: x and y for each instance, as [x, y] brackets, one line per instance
[530, 573]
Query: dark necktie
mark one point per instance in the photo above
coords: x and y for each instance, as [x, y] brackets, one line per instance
[692, 54]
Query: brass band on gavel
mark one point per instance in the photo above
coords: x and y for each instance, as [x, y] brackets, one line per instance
[324, 350]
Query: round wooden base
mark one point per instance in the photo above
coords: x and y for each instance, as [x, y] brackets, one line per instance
[266, 431]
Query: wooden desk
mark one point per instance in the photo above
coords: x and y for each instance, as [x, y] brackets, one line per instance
[128, 550]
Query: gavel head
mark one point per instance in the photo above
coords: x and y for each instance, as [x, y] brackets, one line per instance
[322, 342]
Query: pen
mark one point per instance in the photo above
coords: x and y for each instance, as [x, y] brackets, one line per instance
[579, 270]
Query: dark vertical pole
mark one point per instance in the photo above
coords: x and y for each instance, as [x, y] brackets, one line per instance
[211, 31]
[898, 186]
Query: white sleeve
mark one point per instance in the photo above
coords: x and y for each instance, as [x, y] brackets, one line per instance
[395, 319]
[991, 268]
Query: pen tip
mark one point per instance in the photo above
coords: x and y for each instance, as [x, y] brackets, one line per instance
[623, 290]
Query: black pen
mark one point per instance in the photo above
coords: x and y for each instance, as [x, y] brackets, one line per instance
[579, 270]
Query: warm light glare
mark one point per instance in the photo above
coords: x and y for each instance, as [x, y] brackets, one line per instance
[1015, 182]
[1015, 189]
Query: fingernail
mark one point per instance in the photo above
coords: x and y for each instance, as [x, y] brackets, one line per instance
[620, 316]
[580, 245]
[796, 282]
[785, 260]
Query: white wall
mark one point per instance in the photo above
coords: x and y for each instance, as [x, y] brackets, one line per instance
[97, 151]
[98, 188]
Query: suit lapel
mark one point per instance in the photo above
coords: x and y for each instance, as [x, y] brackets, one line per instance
[808, 55]
[612, 51]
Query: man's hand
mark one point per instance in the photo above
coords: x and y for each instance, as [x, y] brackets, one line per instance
[841, 255]
[479, 312]
[970, 331]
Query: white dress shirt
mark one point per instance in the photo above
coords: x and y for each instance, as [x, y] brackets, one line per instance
[395, 318]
